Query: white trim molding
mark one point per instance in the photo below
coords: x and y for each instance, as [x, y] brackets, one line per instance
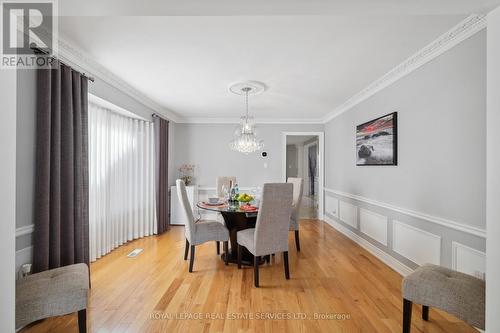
[380, 254]
[25, 230]
[407, 241]
[467, 260]
[373, 225]
[426, 217]
[462, 31]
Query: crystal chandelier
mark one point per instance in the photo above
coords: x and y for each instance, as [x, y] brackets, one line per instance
[245, 140]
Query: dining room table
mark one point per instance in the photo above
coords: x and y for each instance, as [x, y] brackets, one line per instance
[236, 218]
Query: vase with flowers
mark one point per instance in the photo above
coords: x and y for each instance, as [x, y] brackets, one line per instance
[186, 172]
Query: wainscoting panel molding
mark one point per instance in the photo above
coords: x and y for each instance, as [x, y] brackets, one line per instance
[416, 244]
[332, 206]
[419, 215]
[468, 260]
[374, 225]
[380, 254]
[349, 214]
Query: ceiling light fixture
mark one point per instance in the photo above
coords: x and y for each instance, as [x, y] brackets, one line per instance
[245, 139]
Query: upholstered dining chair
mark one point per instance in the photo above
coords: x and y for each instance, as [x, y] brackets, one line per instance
[298, 184]
[199, 232]
[270, 234]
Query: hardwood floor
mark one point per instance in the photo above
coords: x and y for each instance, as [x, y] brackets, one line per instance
[330, 276]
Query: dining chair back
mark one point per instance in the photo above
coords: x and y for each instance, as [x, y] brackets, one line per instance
[224, 181]
[186, 205]
[273, 220]
[298, 184]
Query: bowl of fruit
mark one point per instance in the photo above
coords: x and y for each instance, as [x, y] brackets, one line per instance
[244, 198]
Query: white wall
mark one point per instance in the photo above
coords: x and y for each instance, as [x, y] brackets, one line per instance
[207, 146]
[493, 177]
[7, 198]
[442, 156]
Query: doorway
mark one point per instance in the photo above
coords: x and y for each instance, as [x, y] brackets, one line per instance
[302, 158]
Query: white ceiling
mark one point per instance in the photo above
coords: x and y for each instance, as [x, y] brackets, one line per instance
[310, 64]
[272, 7]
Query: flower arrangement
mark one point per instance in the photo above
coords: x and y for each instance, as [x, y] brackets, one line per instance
[186, 173]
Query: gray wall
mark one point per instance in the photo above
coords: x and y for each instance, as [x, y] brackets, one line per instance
[292, 161]
[441, 168]
[207, 146]
[493, 175]
[442, 139]
[25, 153]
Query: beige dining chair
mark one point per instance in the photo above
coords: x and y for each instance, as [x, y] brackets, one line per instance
[201, 231]
[298, 184]
[270, 234]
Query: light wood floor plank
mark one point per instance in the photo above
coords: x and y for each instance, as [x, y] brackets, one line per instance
[331, 275]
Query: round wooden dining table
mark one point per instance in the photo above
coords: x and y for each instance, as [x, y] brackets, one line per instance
[236, 219]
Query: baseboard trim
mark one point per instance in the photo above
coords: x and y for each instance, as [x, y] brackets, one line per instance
[433, 219]
[24, 256]
[386, 258]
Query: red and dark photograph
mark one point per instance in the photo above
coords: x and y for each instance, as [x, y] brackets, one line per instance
[376, 141]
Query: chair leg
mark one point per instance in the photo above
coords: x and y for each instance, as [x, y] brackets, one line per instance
[226, 253]
[268, 258]
[191, 259]
[218, 246]
[285, 262]
[82, 321]
[407, 305]
[425, 312]
[186, 250]
[239, 256]
[256, 260]
[297, 241]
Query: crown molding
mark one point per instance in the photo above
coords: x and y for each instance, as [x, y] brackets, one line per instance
[462, 31]
[236, 120]
[76, 57]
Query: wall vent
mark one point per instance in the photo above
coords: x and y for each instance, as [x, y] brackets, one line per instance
[134, 253]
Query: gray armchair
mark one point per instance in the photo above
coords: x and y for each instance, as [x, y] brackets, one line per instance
[270, 234]
[298, 185]
[199, 232]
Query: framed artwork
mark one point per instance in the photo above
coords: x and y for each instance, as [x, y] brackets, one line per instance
[377, 141]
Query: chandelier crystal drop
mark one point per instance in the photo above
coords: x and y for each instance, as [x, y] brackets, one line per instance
[245, 140]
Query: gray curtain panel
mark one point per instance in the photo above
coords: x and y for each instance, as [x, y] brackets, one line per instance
[161, 173]
[61, 235]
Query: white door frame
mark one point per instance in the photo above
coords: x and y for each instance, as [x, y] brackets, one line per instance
[321, 170]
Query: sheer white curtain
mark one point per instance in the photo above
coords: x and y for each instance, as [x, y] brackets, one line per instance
[121, 180]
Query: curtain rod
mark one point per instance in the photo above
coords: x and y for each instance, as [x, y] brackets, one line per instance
[36, 49]
[160, 116]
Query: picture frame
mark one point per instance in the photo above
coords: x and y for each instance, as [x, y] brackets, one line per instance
[377, 141]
